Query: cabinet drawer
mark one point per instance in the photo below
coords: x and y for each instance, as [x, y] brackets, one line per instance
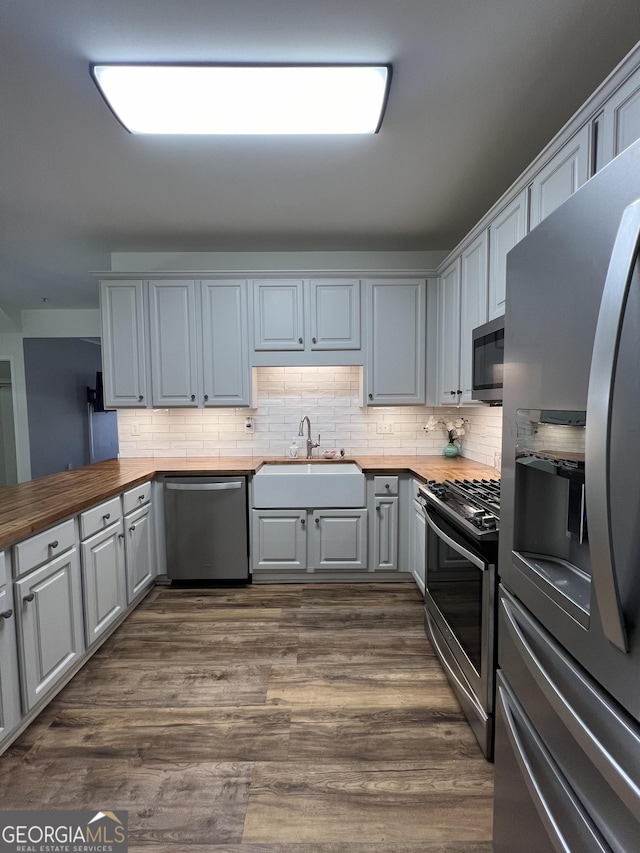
[99, 517]
[136, 497]
[44, 546]
[385, 485]
[4, 575]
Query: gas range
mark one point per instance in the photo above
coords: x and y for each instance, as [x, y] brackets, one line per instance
[473, 505]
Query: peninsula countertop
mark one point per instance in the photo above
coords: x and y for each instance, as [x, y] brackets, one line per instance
[33, 506]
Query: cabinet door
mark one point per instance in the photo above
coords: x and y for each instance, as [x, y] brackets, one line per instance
[560, 178]
[474, 283]
[278, 539]
[385, 534]
[335, 314]
[104, 581]
[124, 355]
[138, 539]
[225, 352]
[396, 360]
[9, 683]
[172, 319]
[338, 539]
[418, 545]
[621, 119]
[449, 335]
[507, 229]
[49, 605]
[278, 315]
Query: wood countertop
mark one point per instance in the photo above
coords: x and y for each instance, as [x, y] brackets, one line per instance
[29, 507]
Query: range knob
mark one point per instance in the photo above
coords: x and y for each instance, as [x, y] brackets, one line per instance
[489, 522]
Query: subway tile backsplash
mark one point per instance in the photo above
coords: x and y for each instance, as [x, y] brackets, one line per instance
[330, 396]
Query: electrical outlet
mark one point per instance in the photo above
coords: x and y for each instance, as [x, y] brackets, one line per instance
[248, 424]
[384, 428]
[135, 428]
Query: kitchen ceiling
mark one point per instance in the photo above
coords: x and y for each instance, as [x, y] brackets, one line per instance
[479, 87]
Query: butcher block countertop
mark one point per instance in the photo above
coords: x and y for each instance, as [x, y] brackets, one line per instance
[33, 506]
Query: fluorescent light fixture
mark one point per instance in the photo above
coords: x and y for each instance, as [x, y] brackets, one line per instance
[246, 99]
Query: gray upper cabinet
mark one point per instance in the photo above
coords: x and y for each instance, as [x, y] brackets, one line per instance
[507, 229]
[124, 345]
[335, 314]
[278, 315]
[621, 118]
[396, 360]
[225, 350]
[174, 346]
[474, 297]
[306, 321]
[449, 335]
[560, 177]
[198, 353]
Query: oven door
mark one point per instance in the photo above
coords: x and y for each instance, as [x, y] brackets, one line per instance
[459, 619]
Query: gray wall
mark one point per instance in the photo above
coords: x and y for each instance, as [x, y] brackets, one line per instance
[57, 373]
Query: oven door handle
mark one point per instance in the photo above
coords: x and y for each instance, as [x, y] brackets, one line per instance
[480, 564]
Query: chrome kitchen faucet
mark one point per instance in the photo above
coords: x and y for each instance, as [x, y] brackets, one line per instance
[310, 442]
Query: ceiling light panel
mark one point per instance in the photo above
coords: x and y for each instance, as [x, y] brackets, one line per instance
[249, 99]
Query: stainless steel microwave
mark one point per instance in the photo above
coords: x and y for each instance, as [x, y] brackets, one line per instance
[488, 362]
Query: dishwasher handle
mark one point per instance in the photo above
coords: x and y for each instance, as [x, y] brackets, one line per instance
[204, 487]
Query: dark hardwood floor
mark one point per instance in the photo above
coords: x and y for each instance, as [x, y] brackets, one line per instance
[266, 719]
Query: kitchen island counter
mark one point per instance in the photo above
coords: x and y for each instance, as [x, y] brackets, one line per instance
[29, 507]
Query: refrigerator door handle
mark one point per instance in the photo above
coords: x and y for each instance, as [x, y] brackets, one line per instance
[604, 361]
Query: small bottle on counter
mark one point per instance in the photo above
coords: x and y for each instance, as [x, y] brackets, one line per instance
[293, 449]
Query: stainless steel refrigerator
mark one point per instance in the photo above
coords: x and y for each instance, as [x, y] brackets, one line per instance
[567, 754]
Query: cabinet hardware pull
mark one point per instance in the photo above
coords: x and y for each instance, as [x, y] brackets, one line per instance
[141, 497]
[314, 341]
[140, 398]
[29, 597]
[303, 521]
[132, 528]
[378, 508]
[458, 391]
[54, 544]
[206, 397]
[371, 396]
[106, 516]
[193, 397]
[453, 393]
[120, 535]
[387, 486]
[7, 614]
[299, 340]
[317, 521]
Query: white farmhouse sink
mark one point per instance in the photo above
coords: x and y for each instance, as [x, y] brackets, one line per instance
[316, 485]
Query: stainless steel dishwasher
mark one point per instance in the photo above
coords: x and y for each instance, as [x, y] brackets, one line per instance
[206, 521]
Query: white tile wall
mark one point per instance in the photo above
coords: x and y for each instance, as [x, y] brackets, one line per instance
[329, 396]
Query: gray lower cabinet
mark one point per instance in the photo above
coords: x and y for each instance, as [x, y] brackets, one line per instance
[418, 551]
[50, 624]
[305, 540]
[338, 539]
[9, 678]
[104, 581]
[279, 539]
[138, 539]
[383, 532]
[395, 370]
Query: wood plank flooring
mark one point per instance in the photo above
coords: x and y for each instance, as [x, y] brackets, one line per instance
[266, 719]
